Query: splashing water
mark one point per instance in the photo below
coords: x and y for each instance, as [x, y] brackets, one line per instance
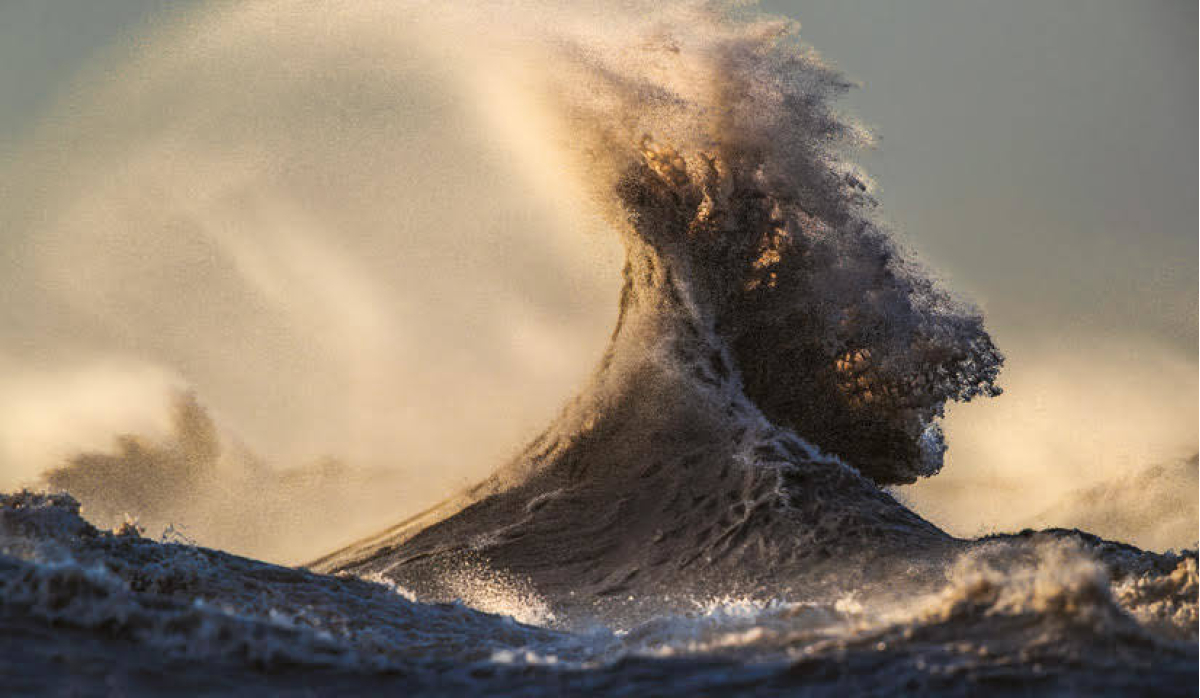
[705, 516]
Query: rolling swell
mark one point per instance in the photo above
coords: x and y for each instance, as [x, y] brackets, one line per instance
[777, 357]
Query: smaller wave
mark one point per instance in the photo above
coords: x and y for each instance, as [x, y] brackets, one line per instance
[193, 483]
[1154, 507]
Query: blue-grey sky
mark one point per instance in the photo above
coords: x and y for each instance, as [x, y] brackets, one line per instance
[44, 44]
[1042, 153]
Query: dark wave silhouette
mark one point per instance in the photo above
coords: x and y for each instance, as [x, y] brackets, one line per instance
[777, 358]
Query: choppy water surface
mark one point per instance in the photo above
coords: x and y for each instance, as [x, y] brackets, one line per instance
[85, 612]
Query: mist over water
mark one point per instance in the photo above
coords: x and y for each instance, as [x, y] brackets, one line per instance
[1124, 411]
[337, 251]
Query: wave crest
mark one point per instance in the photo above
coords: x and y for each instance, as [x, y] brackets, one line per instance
[732, 169]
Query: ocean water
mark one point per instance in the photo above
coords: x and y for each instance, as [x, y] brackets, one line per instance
[709, 514]
[86, 612]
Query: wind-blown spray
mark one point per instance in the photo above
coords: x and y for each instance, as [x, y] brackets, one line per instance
[713, 494]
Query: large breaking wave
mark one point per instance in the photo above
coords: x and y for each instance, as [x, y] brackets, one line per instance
[776, 359]
[708, 512]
